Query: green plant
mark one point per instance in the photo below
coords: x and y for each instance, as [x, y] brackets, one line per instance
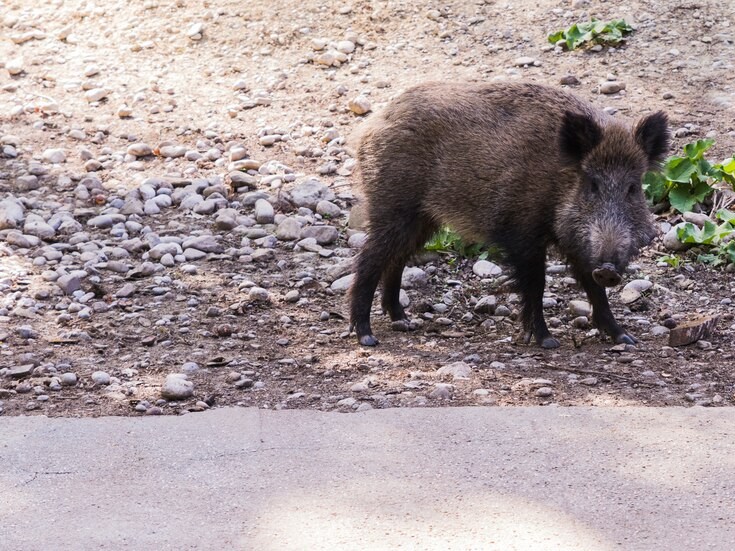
[592, 32]
[448, 241]
[717, 238]
[670, 259]
[685, 181]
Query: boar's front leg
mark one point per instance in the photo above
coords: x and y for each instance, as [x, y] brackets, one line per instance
[530, 275]
[602, 317]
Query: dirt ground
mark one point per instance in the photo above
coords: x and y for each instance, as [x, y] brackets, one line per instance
[220, 74]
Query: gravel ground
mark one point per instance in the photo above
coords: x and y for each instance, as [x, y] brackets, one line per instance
[175, 190]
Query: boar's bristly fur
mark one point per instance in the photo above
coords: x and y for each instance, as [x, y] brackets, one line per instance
[521, 166]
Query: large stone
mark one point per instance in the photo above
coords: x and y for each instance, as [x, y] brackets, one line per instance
[12, 213]
[69, 283]
[36, 225]
[159, 251]
[206, 243]
[342, 284]
[485, 269]
[671, 239]
[580, 308]
[324, 235]
[413, 277]
[456, 370]
[288, 230]
[263, 212]
[633, 290]
[309, 192]
[176, 387]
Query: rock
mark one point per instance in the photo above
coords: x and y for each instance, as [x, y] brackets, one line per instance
[20, 371]
[544, 392]
[581, 322]
[324, 235]
[486, 305]
[633, 290]
[328, 209]
[68, 379]
[693, 330]
[696, 218]
[611, 87]
[456, 370]
[176, 387]
[358, 217]
[157, 252]
[140, 149]
[105, 220]
[292, 296]
[54, 156]
[484, 269]
[442, 391]
[27, 182]
[27, 332]
[357, 240]
[580, 308]
[125, 291]
[588, 381]
[359, 105]
[96, 94]
[345, 46]
[12, 213]
[288, 230]
[309, 192]
[264, 213]
[190, 367]
[569, 80]
[69, 283]
[413, 277]
[342, 284]
[671, 239]
[502, 311]
[172, 151]
[35, 225]
[195, 31]
[258, 294]
[240, 179]
[14, 66]
[206, 243]
[101, 378]
[525, 61]
[19, 240]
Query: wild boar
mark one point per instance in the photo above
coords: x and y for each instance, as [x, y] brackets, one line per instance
[521, 166]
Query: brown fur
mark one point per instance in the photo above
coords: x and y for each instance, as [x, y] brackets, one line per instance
[508, 164]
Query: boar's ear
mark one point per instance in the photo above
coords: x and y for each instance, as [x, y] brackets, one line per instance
[652, 134]
[579, 135]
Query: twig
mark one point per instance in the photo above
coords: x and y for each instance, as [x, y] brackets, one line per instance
[594, 372]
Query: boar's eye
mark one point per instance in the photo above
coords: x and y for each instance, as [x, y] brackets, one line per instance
[594, 188]
[632, 189]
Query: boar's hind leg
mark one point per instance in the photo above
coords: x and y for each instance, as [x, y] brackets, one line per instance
[369, 266]
[530, 275]
[412, 237]
[601, 314]
[383, 257]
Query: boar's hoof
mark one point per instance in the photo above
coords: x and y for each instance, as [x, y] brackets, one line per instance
[403, 325]
[368, 340]
[550, 342]
[625, 339]
[606, 276]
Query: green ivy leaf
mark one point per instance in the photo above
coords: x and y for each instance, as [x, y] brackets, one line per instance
[696, 150]
[654, 187]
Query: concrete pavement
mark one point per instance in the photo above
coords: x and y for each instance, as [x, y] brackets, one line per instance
[454, 478]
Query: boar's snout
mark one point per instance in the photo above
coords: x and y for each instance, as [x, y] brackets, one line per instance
[606, 275]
